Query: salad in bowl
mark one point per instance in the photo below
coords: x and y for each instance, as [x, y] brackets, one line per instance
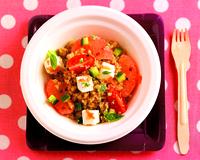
[90, 80]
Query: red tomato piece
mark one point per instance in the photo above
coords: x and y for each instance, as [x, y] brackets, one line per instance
[52, 88]
[77, 45]
[64, 108]
[99, 49]
[80, 63]
[116, 101]
[133, 77]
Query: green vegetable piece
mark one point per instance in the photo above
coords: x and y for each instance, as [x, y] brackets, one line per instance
[117, 51]
[80, 120]
[52, 99]
[53, 58]
[85, 84]
[78, 106]
[106, 72]
[103, 88]
[65, 97]
[94, 72]
[84, 41]
[111, 117]
[81, 60]
[120, 77]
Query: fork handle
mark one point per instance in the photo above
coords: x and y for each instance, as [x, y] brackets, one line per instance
[183, 125]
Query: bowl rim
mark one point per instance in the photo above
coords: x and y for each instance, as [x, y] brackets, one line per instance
[59, 16]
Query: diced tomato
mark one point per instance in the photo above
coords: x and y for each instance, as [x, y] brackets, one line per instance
[99, 49]
[77, 45]
[80, 63]
[64, 108]
[133, 78]
[52, 88]
[116, 101]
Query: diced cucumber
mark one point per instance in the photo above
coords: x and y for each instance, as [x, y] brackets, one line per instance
[120, 76]
[52, 99]
[94, 72]
[78, 106]
[65, 97]
[118, 51]
[84, 41]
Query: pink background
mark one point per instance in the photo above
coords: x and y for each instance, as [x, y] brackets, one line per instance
[13, 39]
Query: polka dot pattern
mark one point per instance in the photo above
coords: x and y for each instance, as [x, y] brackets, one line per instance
[117, 4]
[4, 142]
[198, 126]
[73, 3]
[198, 44]
[6, 61]
[166, 45]
[13, 39]
[24, 41]
[198, 4]
[68, 158]
[22, 122]
[166, 84]
[5, 101]
[23, 158]
[30, 4]
[176, 148]
[161, 5]
[198, 85]
[8, 21]
[182, 23]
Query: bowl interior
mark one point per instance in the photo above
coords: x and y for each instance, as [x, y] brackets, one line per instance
[110, 25]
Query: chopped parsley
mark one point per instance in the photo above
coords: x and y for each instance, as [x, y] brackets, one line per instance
[85, 84]
[106, 72]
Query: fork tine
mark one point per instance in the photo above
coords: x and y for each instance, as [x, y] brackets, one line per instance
[174, 36]
[187, 35]
[182, 35]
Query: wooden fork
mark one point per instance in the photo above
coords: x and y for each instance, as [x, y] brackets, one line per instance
[181, 50]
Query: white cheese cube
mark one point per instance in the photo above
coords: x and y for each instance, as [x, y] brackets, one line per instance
[90, 117]
[48, 67]
[84, 83]
[107, 70]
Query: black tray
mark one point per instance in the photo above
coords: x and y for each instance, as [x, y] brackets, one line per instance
[149, 135]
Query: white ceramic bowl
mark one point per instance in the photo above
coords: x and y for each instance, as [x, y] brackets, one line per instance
[75, 23]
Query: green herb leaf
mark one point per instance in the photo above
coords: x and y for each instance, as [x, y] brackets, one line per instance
[78, 106]
[111, 117]
[81, 60]
[85, 84]
[65, 97]
[103, 88]
[53, 58]
[106, 72]
[52, 99]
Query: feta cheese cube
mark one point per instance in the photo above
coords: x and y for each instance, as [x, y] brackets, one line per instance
[48, 67]
[84, 83]
[90, 117]
[107, 70]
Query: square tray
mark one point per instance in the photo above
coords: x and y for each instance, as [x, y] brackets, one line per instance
[149, 135]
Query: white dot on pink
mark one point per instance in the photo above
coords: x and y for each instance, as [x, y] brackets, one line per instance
[117, 4]
[198, 126]
[73, 3]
